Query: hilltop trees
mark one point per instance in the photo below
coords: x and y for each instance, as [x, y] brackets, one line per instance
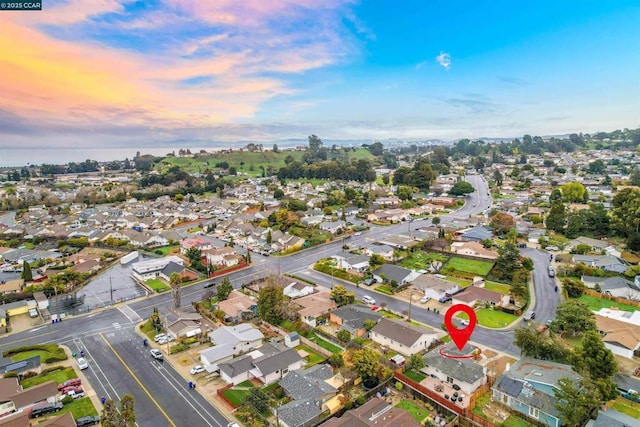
[421, 175]
[461, 188]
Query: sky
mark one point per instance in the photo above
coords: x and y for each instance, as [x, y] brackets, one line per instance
[112, 73]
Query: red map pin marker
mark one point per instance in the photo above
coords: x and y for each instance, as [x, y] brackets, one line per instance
[460, 336]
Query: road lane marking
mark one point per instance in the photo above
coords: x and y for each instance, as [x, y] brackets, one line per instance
[139, 382]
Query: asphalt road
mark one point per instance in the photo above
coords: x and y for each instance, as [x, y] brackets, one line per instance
[119, 364]
[547, 299]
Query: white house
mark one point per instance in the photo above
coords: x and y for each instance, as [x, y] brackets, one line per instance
[150, 269]
[297, 289]
[231, 340]
[466, 373]
[402, 337]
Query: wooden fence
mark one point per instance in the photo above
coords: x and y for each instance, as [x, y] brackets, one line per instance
[593, 293]
[223, 397]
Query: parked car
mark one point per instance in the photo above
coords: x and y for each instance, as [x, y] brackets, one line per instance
[425, 299]
[47, 408]
[552, 271]
[87, 421]
[369, 281]
[552, 248]
[529, 315]
[464, 322]
[368, 300]
[73, 393]
[82, 363]
[159, 337]
[33, 312]
[157, 354]
[74, 388]
[197, 369]
[69, 383]
[445, 299]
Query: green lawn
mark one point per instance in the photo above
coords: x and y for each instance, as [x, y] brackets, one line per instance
[27, 354]
[462, 282]
[384, 289]
[418, 413]
[58, 376]
[248, 384]
[166, 249]
[482, 401]
[416, 376]
[481, 268]
[157, 285]
[491, 318]
[325, 344]
[514, 421]
[421, 260]
[388, 314]
[236, 397]
[80, 408]
[596, 304]
[498, 287]
[314, 357]
[148, 329]
[627, 407]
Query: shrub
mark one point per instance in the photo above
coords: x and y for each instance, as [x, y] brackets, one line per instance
[66, 400]
[360, 400]
[11, 374]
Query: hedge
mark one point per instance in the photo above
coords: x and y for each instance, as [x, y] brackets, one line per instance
[54, 351]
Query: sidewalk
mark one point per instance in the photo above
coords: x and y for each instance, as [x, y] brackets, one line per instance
[86, 385]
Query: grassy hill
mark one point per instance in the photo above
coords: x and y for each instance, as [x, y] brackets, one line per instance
[255, 159]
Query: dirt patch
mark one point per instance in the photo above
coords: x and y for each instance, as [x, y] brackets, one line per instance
[184, 361]
[99, 251]
[490, 354]
[499, 365]
[626, 366]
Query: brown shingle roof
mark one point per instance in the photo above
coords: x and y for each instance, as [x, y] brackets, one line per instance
[35, 393]
[404, 333]
[64, 420]
[474, 293]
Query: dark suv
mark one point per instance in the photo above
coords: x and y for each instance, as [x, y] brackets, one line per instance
[87, 421]
[45, 409]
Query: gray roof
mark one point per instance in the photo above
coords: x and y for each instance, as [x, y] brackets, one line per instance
[626, 383]
[509, 386]
[270, 363]
[541, 371]
[527, 394]
[393, 272]
[402, 332]
[235, 334]
[480, 233]
[308, 384]
[355, 315]
[172, 267]
[465, 370]
[218, 352]
[609, 283]
[236, 366]
[298, 412]
[378, 249]
[613, 418]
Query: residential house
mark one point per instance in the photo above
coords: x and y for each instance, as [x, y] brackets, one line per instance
[385, 251]
[529, 387]
[238, 307]
[472, 248]
[195, 242]
[392, 273]
[11, 287]
[612, 418]
[151, 269]
[311, 391]
[351, 318]
[435, 287]
[476, 296]
[376, 412]
[605, 262]
[269, 363]
[466, 373]
[475, 234]
[297, 289]
[333, 227]
[594, 244]
[231, 340]
[352, 262]
[622, 338]
[15, 419]
[14, 398]
[314, 307]
[614, 286]
[225, 256]
[387, 201]
[236, 370]
[184, 328]
[402, 337]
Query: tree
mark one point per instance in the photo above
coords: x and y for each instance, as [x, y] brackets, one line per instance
[557, 217]
[194, 254]
[271, 304]
[127, 414]
[597, 167]
[275, 148]
[269, 237]
[278, 194]
[573, 192]
[109, 416]
[336, 360]
[574, 316]
[365, 362]
[502, 222]
[369, 324]
[376, 149]
[574, 287]
[27, 275]
[540, 346]
[626, 212]
[258, 400]
[461, 188]
[508, 262]
[575, 226]
[436, 220]
[341, 296]
[518, 290]
[376, 260]
[175, 280]
[224, 289]
[344, 336]
[416, 362]
[575, 402]
[497, 177]
[593, 357]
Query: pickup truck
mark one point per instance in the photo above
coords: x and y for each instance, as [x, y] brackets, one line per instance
[76, 394]
[631, 395]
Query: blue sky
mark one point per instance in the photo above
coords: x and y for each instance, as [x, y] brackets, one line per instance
[114, 73]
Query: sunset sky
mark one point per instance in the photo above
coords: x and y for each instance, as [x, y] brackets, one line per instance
[110, 73]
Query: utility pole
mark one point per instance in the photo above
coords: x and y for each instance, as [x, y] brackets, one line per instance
[111, 288]
[410, 302]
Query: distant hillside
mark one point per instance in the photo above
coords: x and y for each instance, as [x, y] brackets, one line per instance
[251, 162]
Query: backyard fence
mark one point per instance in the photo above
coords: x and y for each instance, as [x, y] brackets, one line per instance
[593, 293]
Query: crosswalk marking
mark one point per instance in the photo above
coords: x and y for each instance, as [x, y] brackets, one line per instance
[130, 313]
